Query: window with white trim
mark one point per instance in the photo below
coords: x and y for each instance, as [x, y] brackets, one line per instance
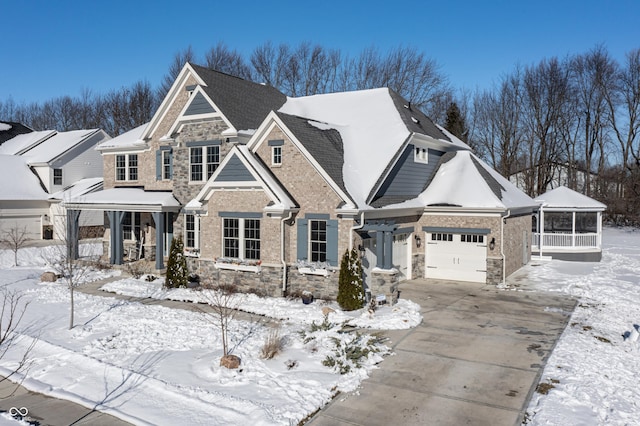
[203, 159]
[421, 155]
[276, 155]
[57, 176]
[318, 240]
[131, 226]
[166, 164]
[241, 238]
[192, 232]
[126, 167]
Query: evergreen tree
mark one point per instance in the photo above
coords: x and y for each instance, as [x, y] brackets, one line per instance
[350, 289]
[455, 122]
[177, 265]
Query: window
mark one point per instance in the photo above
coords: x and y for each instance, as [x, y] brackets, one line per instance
[201, 159]
[166, 164]
[127, 167]
[276, 155]
[131, 226]
[191, 240]
[318, 240]
[57, 176]
[441, 237]
[243, 233]
[472, 238]
[421, 155]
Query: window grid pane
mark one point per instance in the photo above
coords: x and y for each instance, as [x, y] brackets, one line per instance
[231, 238]
[190, 227]
[252, 239]
[318, 240]
[166, 165]
[195, 158]
[57, 176]
[121, 168]
[133, 167]
[277, 155]
[213, 159]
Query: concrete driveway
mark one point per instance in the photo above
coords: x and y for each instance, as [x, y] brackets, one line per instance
[475, 359]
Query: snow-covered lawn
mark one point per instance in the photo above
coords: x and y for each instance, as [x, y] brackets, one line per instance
[593, 373]
[157, 365]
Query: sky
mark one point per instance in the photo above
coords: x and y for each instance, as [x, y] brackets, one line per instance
[57, 48]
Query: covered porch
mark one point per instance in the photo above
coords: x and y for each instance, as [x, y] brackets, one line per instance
[140, 223]
[567, 226]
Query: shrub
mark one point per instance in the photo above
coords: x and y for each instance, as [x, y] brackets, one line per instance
[273, 344]
[176, 265]
[350, 289]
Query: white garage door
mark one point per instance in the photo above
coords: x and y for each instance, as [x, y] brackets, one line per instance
[458, 257]
[401, 255]
[29, 223]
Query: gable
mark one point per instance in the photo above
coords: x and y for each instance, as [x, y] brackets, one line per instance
[199, 105]
[234, 171]
[407, 178]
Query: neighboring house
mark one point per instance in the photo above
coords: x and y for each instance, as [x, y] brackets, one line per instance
[568, 226]
[10, 129]
[59, 162]
[269, 192]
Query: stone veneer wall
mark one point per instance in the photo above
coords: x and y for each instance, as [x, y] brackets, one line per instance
[514, 242]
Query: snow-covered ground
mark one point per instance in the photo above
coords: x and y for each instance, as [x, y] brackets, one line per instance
[594, 369]
[157, 365]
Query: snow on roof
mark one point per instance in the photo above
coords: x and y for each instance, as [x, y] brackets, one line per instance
[454, 139]
[128, 196]
[371, 129]
[80, 188]
[564, 197]
[23, 142]
[4, 126]
[466, 181]
[130, 139]
[56, 145]
[20, 183]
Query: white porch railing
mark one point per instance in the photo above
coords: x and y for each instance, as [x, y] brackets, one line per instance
[566, 241]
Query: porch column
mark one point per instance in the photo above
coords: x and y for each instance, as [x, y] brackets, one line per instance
[158, 218]
[599, 230]
[388, 247]
[573, 229]
[73, 227]
[541, 231]
[379, 249]
[117, 244]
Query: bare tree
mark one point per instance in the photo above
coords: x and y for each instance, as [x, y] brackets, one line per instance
[269, 63]
[11, 316]
[223, 59]
[14, 239]
[178, 62]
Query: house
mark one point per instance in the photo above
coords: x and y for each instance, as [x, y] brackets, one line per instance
[58, 165]
[568, 226]
[268, 192]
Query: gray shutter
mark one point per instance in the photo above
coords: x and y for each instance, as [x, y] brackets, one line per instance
[171, 164]
[303, 235]
[332, 242]
[158, 165]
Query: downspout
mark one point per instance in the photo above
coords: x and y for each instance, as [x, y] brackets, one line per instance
[504, 258]
[282, 259]
[355, 228]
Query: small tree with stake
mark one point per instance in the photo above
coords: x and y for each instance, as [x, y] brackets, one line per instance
[177, 274]
[14, 239]
[350, 290]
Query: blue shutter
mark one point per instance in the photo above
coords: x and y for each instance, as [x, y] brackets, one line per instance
[158, 165]
[303, 235]
[332, 242]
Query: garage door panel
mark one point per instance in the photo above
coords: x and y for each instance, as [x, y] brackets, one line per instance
[457, 259]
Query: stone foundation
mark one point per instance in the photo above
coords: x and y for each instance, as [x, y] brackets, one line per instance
[385, 283]
[494, 270]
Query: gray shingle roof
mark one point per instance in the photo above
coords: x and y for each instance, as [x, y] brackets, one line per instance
[325, 146]
[493, 184]
[411, 114]
[244, 103]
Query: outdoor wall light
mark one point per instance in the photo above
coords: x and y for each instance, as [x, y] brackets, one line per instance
[492, 244]
[418, 241]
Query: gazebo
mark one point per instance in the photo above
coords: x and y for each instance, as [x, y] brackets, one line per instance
[568, 226]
